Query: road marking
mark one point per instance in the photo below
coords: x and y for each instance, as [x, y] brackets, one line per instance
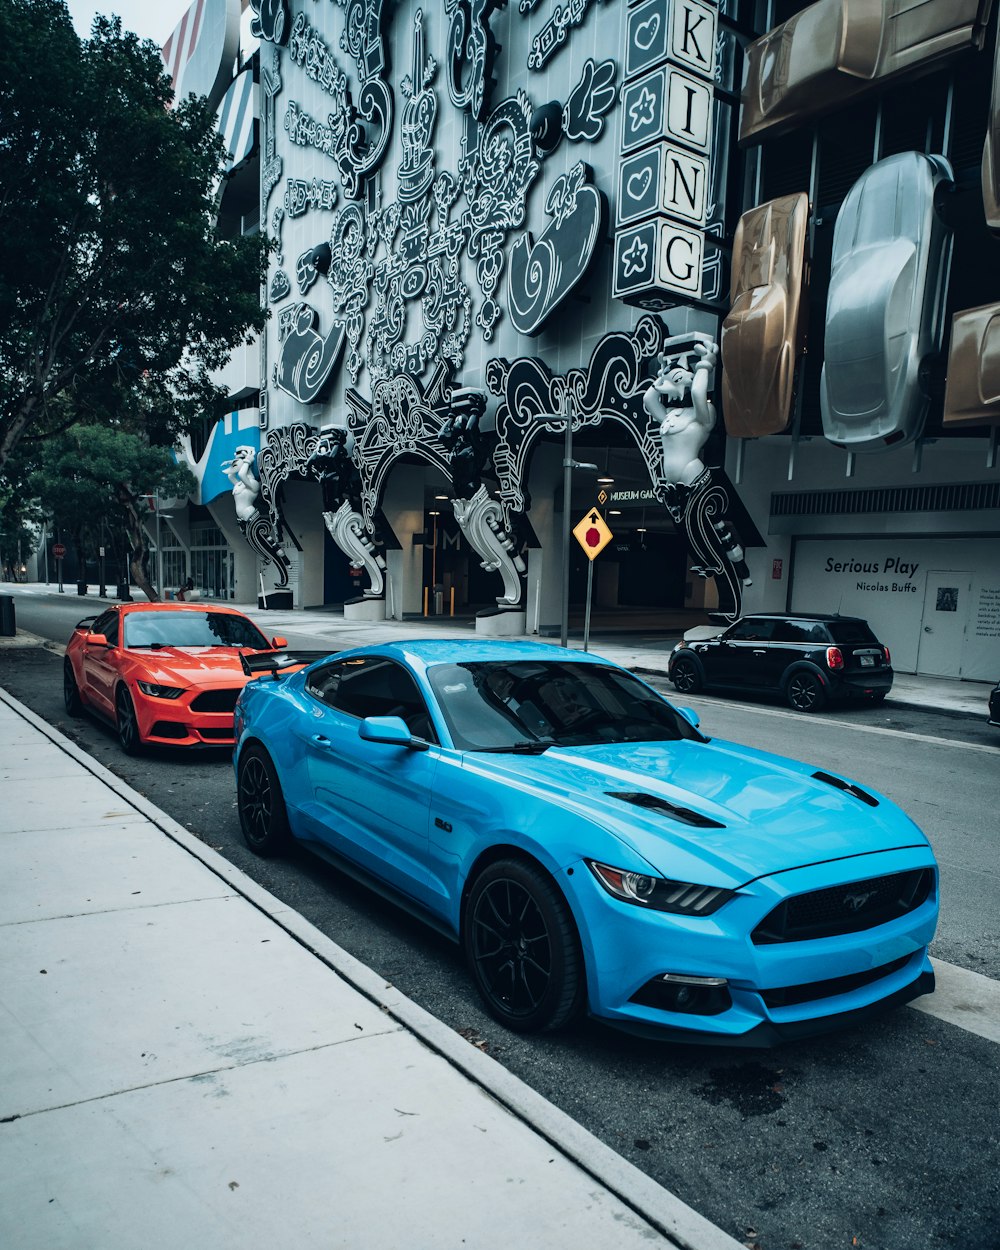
[965, 998]
[843, 724]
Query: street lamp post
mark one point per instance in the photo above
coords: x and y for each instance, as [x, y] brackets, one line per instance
[569, 464]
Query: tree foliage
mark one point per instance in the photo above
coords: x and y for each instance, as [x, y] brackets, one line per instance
[117, 296]
[96, 483]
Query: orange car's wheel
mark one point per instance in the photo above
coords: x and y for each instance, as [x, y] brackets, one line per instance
[128, 725]
[71, 691]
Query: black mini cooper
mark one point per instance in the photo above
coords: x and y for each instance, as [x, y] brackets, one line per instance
[809, 660]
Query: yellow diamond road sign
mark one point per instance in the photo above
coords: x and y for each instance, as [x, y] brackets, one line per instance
[593, 534]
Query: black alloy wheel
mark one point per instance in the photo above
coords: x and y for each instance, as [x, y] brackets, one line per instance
[263, 818]
[522, 947]
[128, 725]
[805, 692]
[685, 676]
[71, 691]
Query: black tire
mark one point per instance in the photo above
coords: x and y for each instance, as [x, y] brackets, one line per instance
[71, 691]
[263, 818]
[128, 726]
[522, 948]
[686, 676]
[805, 692]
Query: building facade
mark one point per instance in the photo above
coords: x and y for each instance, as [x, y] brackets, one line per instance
[735, 256]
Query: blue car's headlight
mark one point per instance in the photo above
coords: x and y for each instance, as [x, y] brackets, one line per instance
[159, 692]
[683, 898]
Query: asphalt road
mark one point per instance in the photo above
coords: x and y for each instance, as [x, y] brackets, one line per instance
[884, 1138]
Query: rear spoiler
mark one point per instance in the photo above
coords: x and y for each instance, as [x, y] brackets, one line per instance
[275, 662]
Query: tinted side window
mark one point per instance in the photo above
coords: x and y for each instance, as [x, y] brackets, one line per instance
[373, 687]
[849, 633]
[107, 624]
[751, 629]
[799, 631]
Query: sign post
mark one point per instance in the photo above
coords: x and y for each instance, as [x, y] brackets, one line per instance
[593, 536]
[58, 551]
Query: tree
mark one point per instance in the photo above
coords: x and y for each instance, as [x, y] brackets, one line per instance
[117, 296]
[94, 472]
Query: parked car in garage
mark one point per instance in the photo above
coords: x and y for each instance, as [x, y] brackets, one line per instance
[162, 673]
[586, 844]
[995, 705]
[809, 660]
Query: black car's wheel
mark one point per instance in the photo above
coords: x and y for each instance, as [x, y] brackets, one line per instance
[71, 691]
[261, 804]
[128, 725]
[522, 947]
[805, 692]
[686, 676]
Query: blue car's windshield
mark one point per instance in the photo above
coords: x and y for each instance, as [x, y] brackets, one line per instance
[508, 706]
[191, 629]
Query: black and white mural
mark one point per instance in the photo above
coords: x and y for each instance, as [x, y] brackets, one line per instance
[444, 263]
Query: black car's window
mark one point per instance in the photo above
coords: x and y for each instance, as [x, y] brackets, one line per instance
[751, 629]
[373, 686]
[502, 706]
[192, 629]
[799, 631]
[107, 624]
[853, 633]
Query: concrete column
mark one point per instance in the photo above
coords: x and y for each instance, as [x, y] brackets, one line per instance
[403, 506]
[544, 599]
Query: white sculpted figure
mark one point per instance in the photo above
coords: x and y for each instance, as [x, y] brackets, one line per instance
[679, 399]
[257, 528]
[246, 488]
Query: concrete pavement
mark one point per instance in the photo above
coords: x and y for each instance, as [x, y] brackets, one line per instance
[188, 1062]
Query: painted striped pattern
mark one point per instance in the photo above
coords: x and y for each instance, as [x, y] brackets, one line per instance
[236, 118]
[178, 49]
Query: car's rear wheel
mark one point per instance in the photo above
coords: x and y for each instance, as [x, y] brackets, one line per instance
[686, 676]
[127, 722]
[71, 691]
[805, 692]
[263, 818]
[522, 947]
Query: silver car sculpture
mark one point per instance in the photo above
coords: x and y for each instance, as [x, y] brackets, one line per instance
[885, 308]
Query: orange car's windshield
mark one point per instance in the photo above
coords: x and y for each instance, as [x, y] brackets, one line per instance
[192, 629]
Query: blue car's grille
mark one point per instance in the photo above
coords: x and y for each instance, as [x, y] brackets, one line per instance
[215, 701]
[845, 908]
[790, 995]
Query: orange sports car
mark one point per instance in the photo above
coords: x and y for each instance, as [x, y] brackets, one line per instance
[167, 674]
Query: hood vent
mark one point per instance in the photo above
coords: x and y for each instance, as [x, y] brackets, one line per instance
[847, 788]
[654, 804]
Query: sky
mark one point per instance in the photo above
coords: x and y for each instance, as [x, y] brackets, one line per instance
[152, 19]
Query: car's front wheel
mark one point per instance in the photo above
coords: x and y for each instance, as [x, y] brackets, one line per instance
[686, 676]
[263, 818]
[522, 947]
[127, 722]
[805, 692]
[71, 691]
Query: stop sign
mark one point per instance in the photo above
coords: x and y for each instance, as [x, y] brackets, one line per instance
[58, 550]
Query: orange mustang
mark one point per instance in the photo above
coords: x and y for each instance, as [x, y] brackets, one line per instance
[165, 674]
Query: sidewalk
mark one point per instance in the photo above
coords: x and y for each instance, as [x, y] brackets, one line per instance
[188, 1062]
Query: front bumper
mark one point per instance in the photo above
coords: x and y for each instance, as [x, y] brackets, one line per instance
[173, 723]
[868, 970]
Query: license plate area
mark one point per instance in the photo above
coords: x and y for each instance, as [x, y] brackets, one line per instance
[867, 661]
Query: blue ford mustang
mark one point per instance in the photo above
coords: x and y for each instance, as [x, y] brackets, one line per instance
[587, 845]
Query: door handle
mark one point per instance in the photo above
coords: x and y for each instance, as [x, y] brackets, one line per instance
[760, 652]
[321, 740]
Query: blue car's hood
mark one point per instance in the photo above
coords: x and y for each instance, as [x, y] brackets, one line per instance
[775, 814]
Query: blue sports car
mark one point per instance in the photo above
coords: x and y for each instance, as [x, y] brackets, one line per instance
[587, 845]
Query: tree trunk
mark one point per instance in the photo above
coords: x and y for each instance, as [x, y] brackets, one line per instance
[139, 554]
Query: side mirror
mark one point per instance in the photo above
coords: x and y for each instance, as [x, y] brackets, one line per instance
[278, 643]
[97, 640]
[690, 715]
[391, 730]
